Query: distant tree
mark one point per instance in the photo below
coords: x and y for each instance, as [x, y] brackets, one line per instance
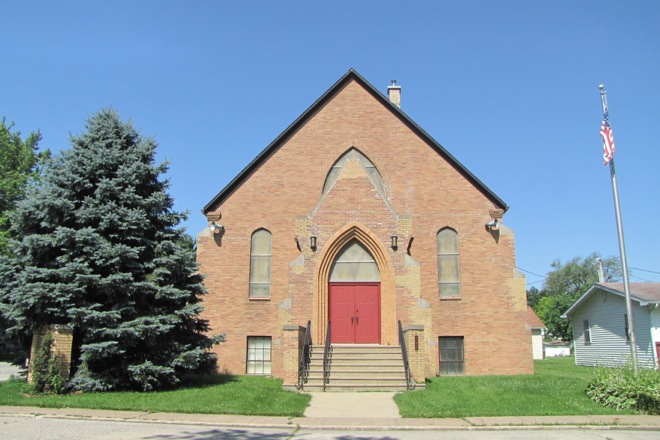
[549, 309]
[533, 296]
[565, 285]
[101, 251]
[19, 164]
[577, 275]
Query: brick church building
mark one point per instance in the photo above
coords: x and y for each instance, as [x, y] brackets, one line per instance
[355, 220]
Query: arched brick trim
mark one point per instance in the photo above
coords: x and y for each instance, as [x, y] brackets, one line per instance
[360, 153]
[387, 287]
[382, 191]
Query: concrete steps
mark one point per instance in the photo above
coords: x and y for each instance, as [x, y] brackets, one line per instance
[358, 368]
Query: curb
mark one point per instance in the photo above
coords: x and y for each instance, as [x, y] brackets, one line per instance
[604, 423]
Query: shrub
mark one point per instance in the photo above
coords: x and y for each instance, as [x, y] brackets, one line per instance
[47, 373]
[622, 388]
[100, 248]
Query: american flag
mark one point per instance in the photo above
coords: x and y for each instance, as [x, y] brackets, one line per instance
[608, 139]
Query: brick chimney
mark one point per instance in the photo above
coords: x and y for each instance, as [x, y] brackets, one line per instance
[394, 93]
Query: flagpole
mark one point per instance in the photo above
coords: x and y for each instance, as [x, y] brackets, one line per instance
[622, 244]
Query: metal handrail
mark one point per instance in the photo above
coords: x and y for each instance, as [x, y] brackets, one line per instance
[305, 357]
[410, 381]
[327, 353]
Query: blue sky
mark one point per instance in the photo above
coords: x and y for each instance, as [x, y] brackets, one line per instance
[510, 88]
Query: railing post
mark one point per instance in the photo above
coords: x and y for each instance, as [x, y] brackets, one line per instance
[327, 351]
[410, 381]
[305, 357]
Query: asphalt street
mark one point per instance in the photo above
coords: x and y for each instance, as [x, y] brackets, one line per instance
[46, 428]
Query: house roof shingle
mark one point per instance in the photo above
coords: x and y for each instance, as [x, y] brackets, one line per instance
[532, 319]
[643, 293]
[648, 292]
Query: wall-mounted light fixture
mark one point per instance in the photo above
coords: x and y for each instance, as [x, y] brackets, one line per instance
[395, 242]
[312, 242]
[493, 225]
[216, 228]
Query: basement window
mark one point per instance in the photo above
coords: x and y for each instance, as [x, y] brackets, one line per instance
[258, 355]
[452, 360]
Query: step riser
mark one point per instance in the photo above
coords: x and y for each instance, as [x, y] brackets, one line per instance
[357, 356]
[358, 368]
[366, 363]
[370, 370]
[358, 349]
[394, 356]
[362, 375]
[333, 388]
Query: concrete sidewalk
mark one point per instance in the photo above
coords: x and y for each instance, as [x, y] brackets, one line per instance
[352, 423]
[348, 405]
[354, 411]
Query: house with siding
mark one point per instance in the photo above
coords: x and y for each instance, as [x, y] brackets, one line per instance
[356, 235]
[600, 325]
[556, 348]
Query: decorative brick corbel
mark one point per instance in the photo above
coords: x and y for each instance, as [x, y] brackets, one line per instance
[496, 214]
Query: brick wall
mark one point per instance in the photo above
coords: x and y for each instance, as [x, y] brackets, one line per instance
[60, 350]
[423, 193]
[416, 349]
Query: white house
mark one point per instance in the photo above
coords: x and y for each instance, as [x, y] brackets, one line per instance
[556, 348]
[600, 324]
[537, 327]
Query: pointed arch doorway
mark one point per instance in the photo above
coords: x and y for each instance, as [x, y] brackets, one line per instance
[354, 300]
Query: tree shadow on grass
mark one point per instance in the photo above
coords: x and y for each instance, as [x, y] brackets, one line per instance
[206, 380]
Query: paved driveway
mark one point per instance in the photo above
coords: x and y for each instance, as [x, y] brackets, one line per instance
[7, 369]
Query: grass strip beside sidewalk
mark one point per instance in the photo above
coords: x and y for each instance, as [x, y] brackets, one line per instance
[556, 388]
[240, 395]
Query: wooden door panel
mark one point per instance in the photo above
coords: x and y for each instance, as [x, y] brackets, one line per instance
[367, 314]
[354, 311]
[341, 313]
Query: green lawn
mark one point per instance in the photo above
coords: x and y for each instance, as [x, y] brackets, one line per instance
[556, 388]
[246, 395]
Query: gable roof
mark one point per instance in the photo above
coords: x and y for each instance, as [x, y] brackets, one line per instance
[643, 293]
[532, 319]
[351, 75]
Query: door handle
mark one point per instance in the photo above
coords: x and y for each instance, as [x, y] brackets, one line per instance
[351, 320]
[357, 320]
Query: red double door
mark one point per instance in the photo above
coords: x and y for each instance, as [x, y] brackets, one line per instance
[355, 313]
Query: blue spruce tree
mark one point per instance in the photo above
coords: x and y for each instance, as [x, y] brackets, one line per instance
[100, 250]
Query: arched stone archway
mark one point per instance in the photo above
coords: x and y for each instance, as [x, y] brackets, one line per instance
[372, 244]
